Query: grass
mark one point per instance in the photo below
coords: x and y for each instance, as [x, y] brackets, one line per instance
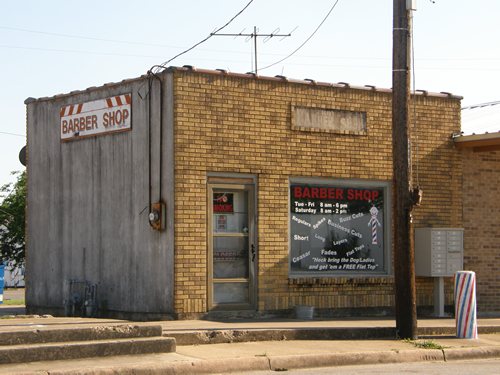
[11, 302]
[426, 344]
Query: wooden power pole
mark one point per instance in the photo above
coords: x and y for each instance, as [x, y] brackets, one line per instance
[404, 269]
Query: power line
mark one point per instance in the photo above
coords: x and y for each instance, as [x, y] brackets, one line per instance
[487, 104]
[487, 59]
[350, 66]
[414, 82]
[17, 135]
[307, 40]
[76, 51]
[162, 66]
[12, 186]
[85, 37]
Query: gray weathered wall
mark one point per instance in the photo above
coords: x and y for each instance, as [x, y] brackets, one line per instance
[88, 203]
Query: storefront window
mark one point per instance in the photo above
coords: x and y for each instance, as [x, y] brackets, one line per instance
[339, 228]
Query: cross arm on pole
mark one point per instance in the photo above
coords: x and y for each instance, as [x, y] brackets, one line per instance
[253, 36]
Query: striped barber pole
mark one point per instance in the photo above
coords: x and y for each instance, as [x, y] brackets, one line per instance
[374, 222]
[465, 304]
[374, 233]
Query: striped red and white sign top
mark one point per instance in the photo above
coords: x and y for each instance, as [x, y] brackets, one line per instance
[114, 101]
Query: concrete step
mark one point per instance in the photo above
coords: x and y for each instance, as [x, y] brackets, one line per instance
[85, 349]
[219, 336]
[107, 332]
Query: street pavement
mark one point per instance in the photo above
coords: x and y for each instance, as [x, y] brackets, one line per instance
[477, 367]
[241, 346]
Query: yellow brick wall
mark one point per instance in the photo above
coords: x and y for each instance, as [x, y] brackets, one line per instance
[241, 125]
[482, 225]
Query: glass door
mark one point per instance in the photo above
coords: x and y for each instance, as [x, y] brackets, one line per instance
[231, 246]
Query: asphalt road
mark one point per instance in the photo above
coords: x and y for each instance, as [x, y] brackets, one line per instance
[476, 367]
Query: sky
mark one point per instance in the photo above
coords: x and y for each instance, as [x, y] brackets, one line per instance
[57, 46]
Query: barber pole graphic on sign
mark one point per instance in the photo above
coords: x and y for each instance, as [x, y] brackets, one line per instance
[96, 117]
[374, 222]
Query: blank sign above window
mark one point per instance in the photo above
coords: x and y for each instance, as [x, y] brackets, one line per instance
[330, 120]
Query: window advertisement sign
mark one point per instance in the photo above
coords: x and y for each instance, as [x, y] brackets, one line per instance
[339, 228]
[223, 203]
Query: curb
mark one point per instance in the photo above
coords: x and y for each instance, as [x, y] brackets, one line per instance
[289, 362]
[215, 366]
[221, 336]
[363, 358]
[483, 352]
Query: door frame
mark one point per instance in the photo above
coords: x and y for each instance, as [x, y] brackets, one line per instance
[233, 184]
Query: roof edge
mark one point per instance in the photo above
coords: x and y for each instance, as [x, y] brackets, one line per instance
[306, 81]
[88, 89]
[478, 141]
[225, 73]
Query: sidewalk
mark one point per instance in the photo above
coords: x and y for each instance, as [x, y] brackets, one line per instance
[228, 354]
[254, 356]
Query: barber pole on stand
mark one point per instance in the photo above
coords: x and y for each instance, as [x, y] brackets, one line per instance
[465, 304]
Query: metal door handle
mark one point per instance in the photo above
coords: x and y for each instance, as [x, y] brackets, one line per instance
[252, 247]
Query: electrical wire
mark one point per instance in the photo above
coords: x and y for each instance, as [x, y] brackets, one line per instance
[414, 100]
[162, 66]
[434, 68]
[85, 37]
[14, 134]
[76, 51]
[13, 190]
[150, 84]
[307, 40]
[487, 104]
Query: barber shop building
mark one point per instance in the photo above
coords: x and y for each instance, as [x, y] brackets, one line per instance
[193, 193]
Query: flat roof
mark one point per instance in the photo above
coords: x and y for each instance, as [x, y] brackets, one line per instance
[478, 142]
[481, 118]
[223, 72]
[480, 127]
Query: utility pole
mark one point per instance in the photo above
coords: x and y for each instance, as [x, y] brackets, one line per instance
[254, 36]
[404, 254]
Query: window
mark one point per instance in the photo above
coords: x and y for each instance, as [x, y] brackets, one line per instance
[339, 228]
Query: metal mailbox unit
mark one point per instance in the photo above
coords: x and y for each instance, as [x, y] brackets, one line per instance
[439, 252]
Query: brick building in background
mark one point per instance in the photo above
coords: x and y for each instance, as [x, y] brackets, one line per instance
[196, 192]
[479, 144]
